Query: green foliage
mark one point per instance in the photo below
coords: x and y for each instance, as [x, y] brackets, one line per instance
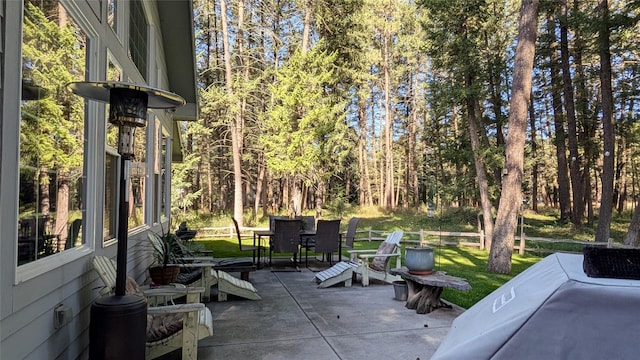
[165, 249]
[304, 126]
[181, 197]
[471, 265]
[339, 205]
[52, 129]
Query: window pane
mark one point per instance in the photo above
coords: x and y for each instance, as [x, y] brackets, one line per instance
[163, 178]
[138, 36]
[137, 188]
[111, 196]
[110, 217]
[51, 204]
[112, 19]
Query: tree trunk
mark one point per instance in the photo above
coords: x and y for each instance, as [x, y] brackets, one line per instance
[483, 184]
[364, 186]
[235, 123]
[388, 127]
[608, 164]
[320, 198]
[495, 98]
[260, 182]
[510, 200]
[307, 26]
[621, 174]
[586, 121]
[564, 198]
[577, 214]
[534, 156]
[412, 168]
[631, 238]
[62, 211]
[45, 201]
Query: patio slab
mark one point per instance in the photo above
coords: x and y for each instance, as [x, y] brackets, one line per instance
[297, 320]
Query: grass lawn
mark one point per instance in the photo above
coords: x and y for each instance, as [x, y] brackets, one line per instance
[471, 264]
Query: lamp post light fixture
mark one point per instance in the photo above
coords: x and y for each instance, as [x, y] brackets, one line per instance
[118, 322]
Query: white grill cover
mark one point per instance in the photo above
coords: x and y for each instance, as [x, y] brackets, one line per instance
[550, 311]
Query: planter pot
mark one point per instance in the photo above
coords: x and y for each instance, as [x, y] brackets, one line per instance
[419, 260]
[164, 275]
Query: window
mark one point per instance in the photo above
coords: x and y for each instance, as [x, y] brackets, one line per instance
[51, 206]
[110, 213]
[138, 36]
[159, 172]
[112, 12]
[137, 177]
[163, 181]
[110, 195]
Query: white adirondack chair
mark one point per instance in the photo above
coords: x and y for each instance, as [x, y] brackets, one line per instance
[375, 264]
[370, 264]
[196, 319]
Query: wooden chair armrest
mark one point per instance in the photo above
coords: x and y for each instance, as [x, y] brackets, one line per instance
[195, 265]
[171, 309]
[368, 256]
[362, 251]
[168, 291]
[197, 258]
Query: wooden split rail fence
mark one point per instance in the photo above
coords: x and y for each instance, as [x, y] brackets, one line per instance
[429, 237]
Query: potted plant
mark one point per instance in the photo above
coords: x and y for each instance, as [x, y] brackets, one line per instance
[167, 252]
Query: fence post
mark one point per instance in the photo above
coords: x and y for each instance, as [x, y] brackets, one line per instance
[421, 237]
[481, 239]
[370, 234]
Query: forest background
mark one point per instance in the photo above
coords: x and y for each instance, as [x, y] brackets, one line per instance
[308, 105]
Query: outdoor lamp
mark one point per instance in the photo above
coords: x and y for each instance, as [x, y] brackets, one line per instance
[118, 323]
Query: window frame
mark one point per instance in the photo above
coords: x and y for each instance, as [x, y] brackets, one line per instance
[38, 267]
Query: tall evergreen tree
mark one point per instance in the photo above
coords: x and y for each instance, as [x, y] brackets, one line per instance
[511, 198]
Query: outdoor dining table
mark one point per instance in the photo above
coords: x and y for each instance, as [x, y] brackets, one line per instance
[259, 234]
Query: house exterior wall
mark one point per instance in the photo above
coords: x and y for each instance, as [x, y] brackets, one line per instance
[30, 292]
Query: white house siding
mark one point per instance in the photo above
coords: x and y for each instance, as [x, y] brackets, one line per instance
[29, 293]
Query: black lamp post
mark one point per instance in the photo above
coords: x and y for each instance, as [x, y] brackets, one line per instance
[118, 322]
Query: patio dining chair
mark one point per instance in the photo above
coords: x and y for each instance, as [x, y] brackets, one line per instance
[272, 220]
[350, 235]
[244, 247]
[285, 239]
[326, 241]
[308, 223]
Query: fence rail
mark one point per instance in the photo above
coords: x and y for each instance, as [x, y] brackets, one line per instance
[421, 237]
[430, 237]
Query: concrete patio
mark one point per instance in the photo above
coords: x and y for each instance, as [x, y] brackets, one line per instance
[296, 320]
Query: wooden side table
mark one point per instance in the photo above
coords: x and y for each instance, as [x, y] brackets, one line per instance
[425, 290]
